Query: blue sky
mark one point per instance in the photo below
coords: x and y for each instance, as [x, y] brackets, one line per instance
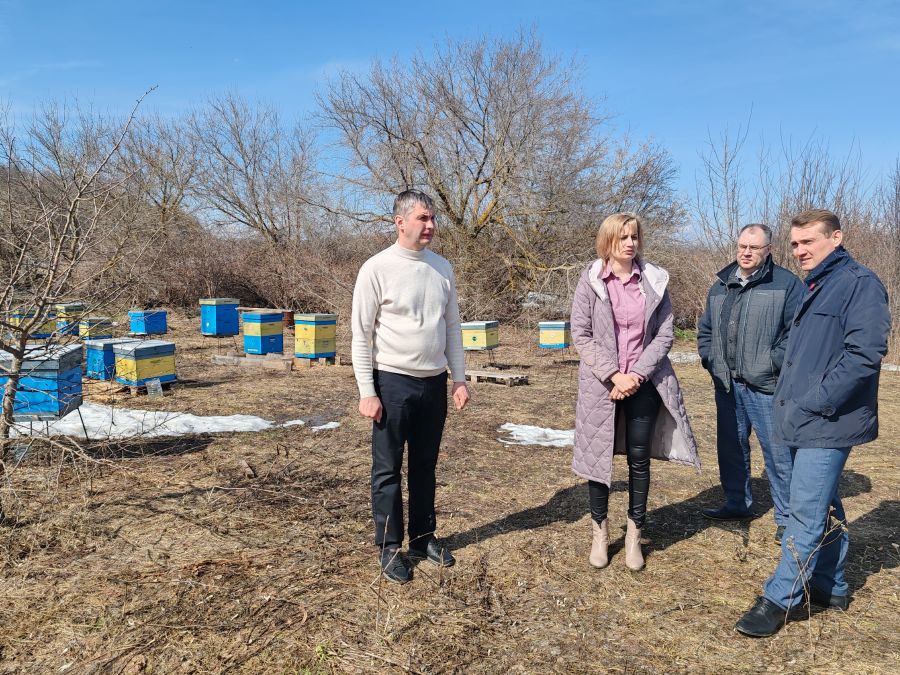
[675, 71]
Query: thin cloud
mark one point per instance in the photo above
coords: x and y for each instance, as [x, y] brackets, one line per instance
[53, 66]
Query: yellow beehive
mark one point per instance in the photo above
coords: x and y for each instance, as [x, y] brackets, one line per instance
[263, 329]
[480, 335]
[45, 330]
[554, 334]
[142, 360]
[315, 335]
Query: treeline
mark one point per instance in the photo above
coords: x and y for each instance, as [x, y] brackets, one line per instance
[233, 200]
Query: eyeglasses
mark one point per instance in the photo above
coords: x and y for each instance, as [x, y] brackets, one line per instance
[752, 249]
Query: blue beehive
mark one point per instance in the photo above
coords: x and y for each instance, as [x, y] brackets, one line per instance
[263, 332]
[100, 360]
[148, 321]
[219, 317]
[50, 382]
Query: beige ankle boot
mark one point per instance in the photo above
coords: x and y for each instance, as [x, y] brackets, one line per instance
[600, 544]
[634, 559]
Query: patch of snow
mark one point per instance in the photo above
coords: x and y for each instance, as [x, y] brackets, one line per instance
[104, 422]
[523, 434]
[326, 427]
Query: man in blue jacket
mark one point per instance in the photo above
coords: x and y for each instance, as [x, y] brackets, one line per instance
[741, 339]
[826, 402]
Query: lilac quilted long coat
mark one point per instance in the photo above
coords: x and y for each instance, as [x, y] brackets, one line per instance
[596, 437]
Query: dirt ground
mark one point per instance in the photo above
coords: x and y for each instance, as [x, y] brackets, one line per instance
[160, 556]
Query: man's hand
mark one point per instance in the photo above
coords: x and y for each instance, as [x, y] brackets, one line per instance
[627, 383]
[460, 395]
[370, 407]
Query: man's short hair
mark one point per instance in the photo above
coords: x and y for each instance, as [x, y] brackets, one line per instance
[766, 230]
[406, 200]
[830, 222]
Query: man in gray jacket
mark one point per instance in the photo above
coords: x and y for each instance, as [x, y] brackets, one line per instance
[741, 339]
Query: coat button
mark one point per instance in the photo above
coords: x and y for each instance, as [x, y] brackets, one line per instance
[790, 363]
[781, 402]
[797, 322]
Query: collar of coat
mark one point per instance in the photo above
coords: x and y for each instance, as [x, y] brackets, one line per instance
[655, 277]
[764, 273]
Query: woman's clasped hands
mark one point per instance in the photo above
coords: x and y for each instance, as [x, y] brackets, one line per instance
[624, 385]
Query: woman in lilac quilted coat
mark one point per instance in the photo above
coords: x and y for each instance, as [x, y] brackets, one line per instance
[629, 400]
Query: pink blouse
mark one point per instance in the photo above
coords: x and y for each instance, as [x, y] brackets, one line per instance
[628, 305]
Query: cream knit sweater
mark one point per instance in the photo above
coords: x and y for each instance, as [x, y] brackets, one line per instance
[405, 317]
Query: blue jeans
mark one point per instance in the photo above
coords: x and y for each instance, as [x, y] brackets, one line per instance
[814, 547]
[737, 413]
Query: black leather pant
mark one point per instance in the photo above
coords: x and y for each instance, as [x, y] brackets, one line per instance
[640, 410]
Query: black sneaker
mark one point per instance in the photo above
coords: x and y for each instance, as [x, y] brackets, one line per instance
[766, 618]
[394, 567]
[827, 600]
[726, 513]
[433, 551]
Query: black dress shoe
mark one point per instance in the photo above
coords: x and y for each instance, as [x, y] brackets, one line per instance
[766, 618]
[394, 567]
[779, 533]
[827, 600]
[726, 513]
[433, 551]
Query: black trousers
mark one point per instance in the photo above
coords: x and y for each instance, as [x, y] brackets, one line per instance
[640, 410]
[415, 409]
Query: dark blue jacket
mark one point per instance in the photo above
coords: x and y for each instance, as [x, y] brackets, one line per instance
[769, 302]
[827, 394]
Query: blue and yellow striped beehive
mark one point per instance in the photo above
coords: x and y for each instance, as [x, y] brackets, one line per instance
[142, 360]
[148, 321]
[480, 335]
[554, 334]
[49, 382]
[68, 316]
[219, 317]
[95, 328]
[42, 331]
[100, 359]
[315, 336]
[263, 332]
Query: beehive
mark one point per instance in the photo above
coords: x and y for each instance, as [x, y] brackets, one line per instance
[49, 384]
[100, 359]
[315, 335]
[148, 321]
[95, 328]
[554, 334]
[480, 335]
[219, 317]
[42, 331]
[142, 360]
[263, 332]
[68, 316]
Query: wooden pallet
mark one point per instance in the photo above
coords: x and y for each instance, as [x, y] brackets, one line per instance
[301, 362]
[509, 379]
[141, 389]
[277, 362]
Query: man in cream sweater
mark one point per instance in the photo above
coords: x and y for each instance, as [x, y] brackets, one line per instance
[406, 333]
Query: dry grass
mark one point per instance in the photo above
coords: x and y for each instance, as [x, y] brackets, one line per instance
[164, 557]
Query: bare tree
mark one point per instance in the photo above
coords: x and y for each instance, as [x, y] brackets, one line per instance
[500, 134]
[254, 174]
[61, 219]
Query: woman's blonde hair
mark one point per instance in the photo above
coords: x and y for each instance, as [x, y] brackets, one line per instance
[610, 231]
